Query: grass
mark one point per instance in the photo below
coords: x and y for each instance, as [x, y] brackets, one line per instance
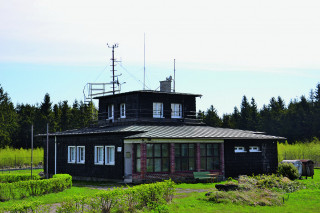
[304, 200]
[53, 197]
[12, 158]
[299, 150]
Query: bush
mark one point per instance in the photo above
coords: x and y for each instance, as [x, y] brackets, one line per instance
[22, 189]
[288, 170]
[10, 178]
[153, 196]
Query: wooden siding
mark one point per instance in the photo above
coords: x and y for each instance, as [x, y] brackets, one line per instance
[140, 105]
[249, 163]
[88, 169]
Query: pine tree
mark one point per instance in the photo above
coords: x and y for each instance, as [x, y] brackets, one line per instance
[8, 119]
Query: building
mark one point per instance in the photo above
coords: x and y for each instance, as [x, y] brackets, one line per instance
[151, 135]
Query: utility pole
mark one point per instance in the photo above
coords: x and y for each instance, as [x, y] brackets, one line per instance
[31, 149]
[174, 75]
[113, 65]
[144, 62]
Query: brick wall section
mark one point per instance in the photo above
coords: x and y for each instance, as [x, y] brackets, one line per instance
[172, 160]
[143, 150]
[222, 158]
[198, 156]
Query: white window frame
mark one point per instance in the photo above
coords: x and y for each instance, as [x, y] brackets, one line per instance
[71, 154]
[239, 149]
[123, 106]
[110, 160]
[79, 160]
[254, 149]
[176, 110]
[97, 160]
[157, 110]
[111, 107]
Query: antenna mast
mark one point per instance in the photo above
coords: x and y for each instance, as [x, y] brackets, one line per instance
[174, 75]
[113, 65]
[144, 61]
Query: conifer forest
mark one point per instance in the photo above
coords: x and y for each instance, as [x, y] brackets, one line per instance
[298, 120]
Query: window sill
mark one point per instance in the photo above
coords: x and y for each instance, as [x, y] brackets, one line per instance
[80, 162]
[71, 162]
[241, 152]
[101, 164]
[110, 164]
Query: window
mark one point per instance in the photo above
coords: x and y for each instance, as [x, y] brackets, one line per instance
[176, 110]
[184, 157]
[71, 154]
[157, 157]
[98, 155]
[254, 149]
[157, 110]
[80, 154]
[123, 110]
[110, 151]
[209, 156]
[111, 111]
[239, 149]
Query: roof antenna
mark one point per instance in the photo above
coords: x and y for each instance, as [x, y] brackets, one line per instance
[174, 75]
[144, 61]
[113, 60]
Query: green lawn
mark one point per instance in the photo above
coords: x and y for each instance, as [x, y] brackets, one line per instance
[305, 200]
[53, 197]
[190, 198]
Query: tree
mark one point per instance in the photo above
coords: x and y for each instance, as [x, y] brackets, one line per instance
[244, 113]
[65, 116]
[26, 117]
[212, 118]
[8, 119]
[254, 116]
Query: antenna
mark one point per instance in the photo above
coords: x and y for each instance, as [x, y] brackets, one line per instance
[174, 75]
[144, 61]
[113, 65]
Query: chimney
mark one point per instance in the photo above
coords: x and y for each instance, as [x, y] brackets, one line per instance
[165, 86]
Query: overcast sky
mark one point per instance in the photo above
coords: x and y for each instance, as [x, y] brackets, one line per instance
[223, 49]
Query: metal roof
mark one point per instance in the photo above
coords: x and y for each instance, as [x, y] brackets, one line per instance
[171, 132]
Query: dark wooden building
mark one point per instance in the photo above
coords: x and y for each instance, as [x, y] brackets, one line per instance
[150, 135]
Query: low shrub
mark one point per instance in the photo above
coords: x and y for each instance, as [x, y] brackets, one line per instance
[151, 196]
[24, 207]
[10, 178]
[255, 197]
[22, 189]
[262, 190]
[273, 181]
[288, 170]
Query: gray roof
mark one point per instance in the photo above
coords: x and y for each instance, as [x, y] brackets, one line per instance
[172, 132]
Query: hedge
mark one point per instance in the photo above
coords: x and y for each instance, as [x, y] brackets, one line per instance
[11, 178]
[153, 196]
[22, 189]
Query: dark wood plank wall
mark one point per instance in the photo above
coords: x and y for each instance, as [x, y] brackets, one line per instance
[88, 169]
[250, 163]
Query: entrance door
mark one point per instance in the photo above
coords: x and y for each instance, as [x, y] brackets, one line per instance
[128, 162]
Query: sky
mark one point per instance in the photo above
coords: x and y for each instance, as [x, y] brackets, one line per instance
[223, 49]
